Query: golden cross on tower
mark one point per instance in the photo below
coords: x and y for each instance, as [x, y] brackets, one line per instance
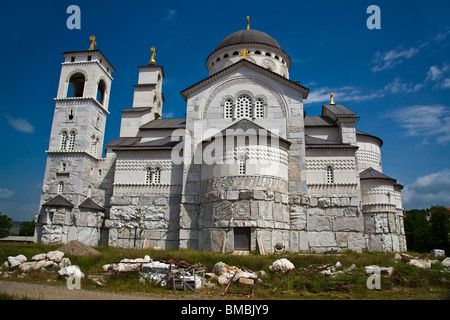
[93, 43]
[331, 98]
[152, 60]
[244, 53]
[248, 22]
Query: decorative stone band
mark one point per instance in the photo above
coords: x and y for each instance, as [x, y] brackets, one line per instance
[122, 189]
[379, 207]
[266, 183]
[324, 189]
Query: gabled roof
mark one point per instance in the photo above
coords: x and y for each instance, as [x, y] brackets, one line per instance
[246, 127]
[164, 124]
[245, 63]
[91, 205]
[371, 173]
[317, 143]
[58, 201]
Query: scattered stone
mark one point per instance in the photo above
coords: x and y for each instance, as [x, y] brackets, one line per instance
[65, 262]
[39, 257]
[71, 271]
[446, 263]
[420, 263]
[77, 248]
[436, 253]
[14, 262]
[55, 256]
[338, 265]
[381, 270]
[282, 265]
[397, 257]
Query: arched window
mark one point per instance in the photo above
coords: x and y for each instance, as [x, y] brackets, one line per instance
[63, 140]
[330, 175]
[101, 91]
[60, 187]
[71, 140]
[228, 110]
[244, 107]
[76, 85]
[259, 108]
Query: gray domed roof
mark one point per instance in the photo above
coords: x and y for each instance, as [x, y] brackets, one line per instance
[248, 35]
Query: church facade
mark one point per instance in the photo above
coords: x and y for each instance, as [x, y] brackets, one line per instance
[245, 168]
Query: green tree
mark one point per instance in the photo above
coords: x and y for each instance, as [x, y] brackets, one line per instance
[440, 228]
[27, 228]
[5, 225]
[417, 230]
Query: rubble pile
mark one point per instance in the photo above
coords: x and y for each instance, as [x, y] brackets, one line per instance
[51, 260]
[226, 273]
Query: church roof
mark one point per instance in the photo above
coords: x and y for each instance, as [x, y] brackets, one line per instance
[248, 36]
[360, 133]
[371, 173]
[319, 121]
[317, 143]
[245, 63]
[164, 124]
[90, 204]
[338, 110]
[128, 144]
[58, 201]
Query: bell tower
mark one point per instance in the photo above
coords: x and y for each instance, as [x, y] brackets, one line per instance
[74, 155]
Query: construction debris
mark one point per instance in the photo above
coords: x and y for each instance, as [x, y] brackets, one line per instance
[76, 248]
[282, 266]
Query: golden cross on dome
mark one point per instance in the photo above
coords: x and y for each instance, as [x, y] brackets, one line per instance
[331, 98]
[93, 43]
[244, 53]
[152, 60]
[248, 22]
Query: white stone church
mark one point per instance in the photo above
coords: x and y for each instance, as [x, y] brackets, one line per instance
[246, 167]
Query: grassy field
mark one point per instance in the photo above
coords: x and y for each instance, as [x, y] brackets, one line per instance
[409, 282]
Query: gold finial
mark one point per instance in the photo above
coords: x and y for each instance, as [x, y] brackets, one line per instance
[331, 98]
[93, 43]
[244, 53]
[152, 60]
[248, 22]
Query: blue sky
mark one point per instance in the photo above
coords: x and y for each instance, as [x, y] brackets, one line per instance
[396, 78]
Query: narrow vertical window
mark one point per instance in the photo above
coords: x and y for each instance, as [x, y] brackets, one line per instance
[94, 147]
[157, 176]
[228, 112]
[259, 108]
[71, 140]
[89, 192]
[148, 176]
[63, 167]
[330, 175]
[63, 140]
[60, 187]
[242, 166]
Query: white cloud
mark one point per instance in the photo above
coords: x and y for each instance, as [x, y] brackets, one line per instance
[168, 115]
[428, 190]
[438, 76]
[347, 93]
[426, 121]
[21, 125]
[389, 59]
[171, 14]
[398, 86]
[5, 193]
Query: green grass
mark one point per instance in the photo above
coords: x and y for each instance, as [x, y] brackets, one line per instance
[411, 282]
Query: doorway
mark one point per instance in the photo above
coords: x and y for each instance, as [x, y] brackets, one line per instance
[242, 239]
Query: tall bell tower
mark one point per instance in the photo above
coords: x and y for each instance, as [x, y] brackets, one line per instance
[72, 200]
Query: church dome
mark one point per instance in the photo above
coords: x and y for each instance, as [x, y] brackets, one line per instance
[248, 36]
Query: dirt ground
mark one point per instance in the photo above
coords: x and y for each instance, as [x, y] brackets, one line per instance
[20, 290]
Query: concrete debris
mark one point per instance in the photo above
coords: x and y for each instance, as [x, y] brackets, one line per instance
[436, 253]
[379, 270]
[282, 266]
[446, 263]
